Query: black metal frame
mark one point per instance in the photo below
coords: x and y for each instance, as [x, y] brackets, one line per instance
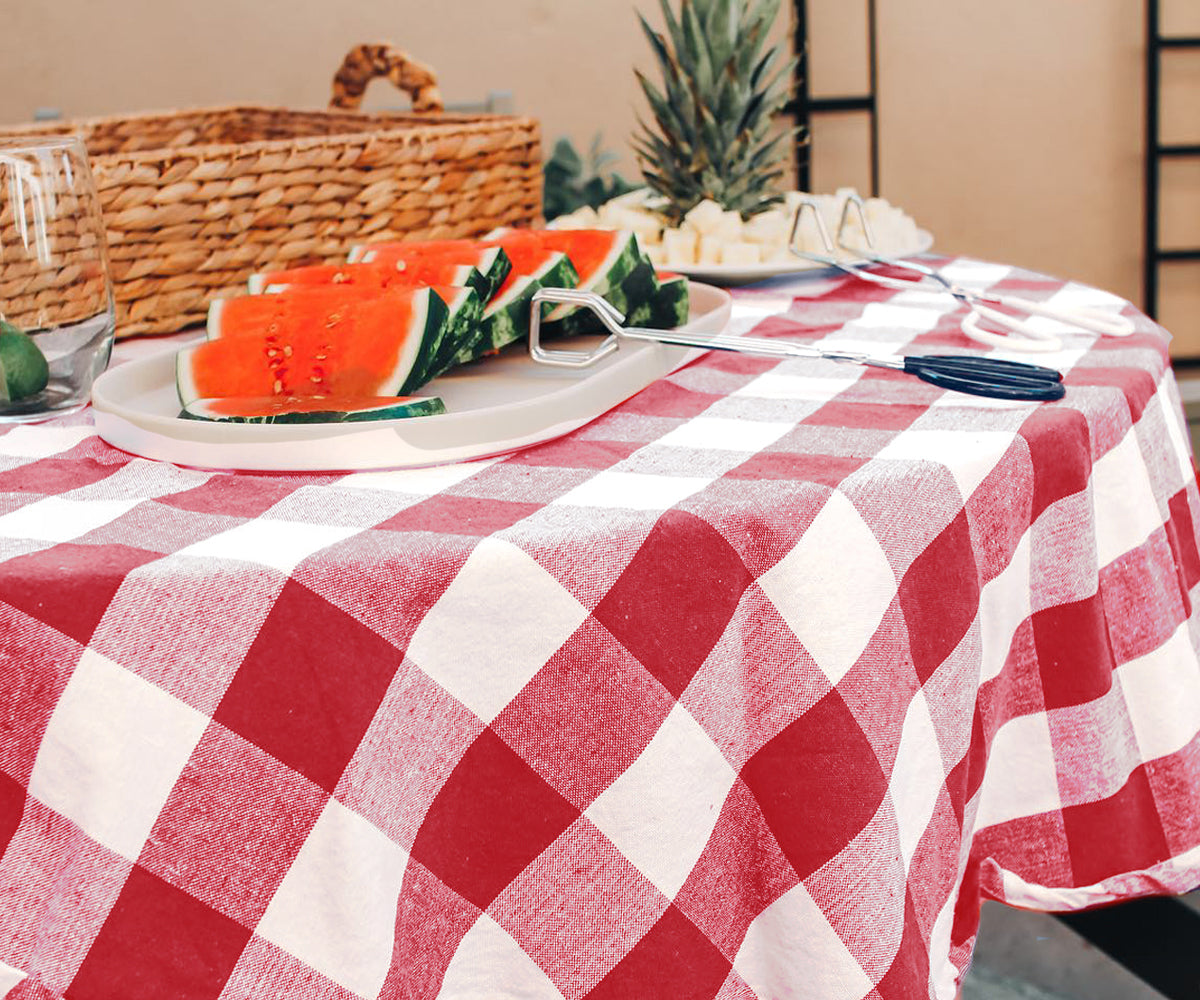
[803, 106]
[1156, 151]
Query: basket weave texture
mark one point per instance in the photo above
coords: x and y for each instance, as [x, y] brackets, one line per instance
[195, 201]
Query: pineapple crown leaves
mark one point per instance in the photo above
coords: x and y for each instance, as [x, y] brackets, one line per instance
[714, 110]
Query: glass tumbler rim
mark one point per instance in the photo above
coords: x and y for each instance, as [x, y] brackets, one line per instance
[32, 141]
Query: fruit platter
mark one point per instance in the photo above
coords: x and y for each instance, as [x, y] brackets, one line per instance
[409, 354]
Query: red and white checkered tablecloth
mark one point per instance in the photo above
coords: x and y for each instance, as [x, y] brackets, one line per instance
[753, 687]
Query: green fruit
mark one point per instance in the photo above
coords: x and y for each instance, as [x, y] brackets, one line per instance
[23, 368]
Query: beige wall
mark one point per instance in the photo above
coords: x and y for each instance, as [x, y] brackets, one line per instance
[1012, 131]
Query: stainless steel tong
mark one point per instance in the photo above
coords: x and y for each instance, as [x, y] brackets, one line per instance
[963, 373]
[984, 306]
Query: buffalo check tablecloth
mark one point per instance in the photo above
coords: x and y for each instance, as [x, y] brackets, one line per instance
[755, 686]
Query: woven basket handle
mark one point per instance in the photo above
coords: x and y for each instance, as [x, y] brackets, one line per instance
[364, 63]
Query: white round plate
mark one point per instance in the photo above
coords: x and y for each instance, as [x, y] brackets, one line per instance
[495, 405]
[731, 274]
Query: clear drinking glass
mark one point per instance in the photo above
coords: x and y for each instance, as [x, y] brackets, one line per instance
[56, 299]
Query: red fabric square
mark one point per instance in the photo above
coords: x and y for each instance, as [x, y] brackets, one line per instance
[431, 921]
[586, 715]
[742, 852]
[52, 476]
[240, 495]
[574, 452]
[1173, 782]
[940, 596]
[908, 976]
[1060, 449]
[1181, 532]
[36, 661]
[1119, 834]
[829, 470]
[69, 586]
[309, 685]
[578, 908]
[232, 826]
[666, 399]
[493, 816]
[1137, 384]
[818, 783]
[674, 599]
[861, 413]
[1075, 656]
[456, 515]
[966, 778]
[673, 960]
[159, 942]
[385, 580]
[415, 740]
[12, 808]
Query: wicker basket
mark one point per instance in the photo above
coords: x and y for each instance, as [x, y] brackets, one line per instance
[195, 201]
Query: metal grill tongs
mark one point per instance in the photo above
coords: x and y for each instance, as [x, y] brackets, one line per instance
[992, 377]
[1020, 334]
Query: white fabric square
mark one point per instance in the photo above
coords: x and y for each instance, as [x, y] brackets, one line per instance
[1004, 603]
[791, 942]
[26, 441]
[975, 273]
[269, 542]
[1126, 509]
[498, 622]
[336, 908]
[778, 385]
[1162, 691]
[1021, 778]
[725, 434]
[917, 777]
[57, 520]
[418, 482]
[633, 490]
[9, 977]
[969, 455]
[896, 314]
[661, 811]
[489, 963]
[833, 587]
[112, 752]
[1177, 433]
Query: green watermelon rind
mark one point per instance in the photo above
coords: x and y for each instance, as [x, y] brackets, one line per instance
[415, 406]
[633, 293]
[504, 321]
[625, 255]
[464, 315]
[666, 309]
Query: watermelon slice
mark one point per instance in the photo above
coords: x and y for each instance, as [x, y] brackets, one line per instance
[490, 261]
[310, 409]
[602, 258]
[310, 342]
[365, 275]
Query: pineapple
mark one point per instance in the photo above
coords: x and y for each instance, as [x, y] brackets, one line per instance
[714, 138]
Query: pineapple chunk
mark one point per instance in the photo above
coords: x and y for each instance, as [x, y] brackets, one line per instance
[729, 229]
[705, 217]
[710, 249]
[741, 254]
[768, 229]
[679, 246]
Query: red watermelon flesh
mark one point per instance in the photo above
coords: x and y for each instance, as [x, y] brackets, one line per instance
[314, 344]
